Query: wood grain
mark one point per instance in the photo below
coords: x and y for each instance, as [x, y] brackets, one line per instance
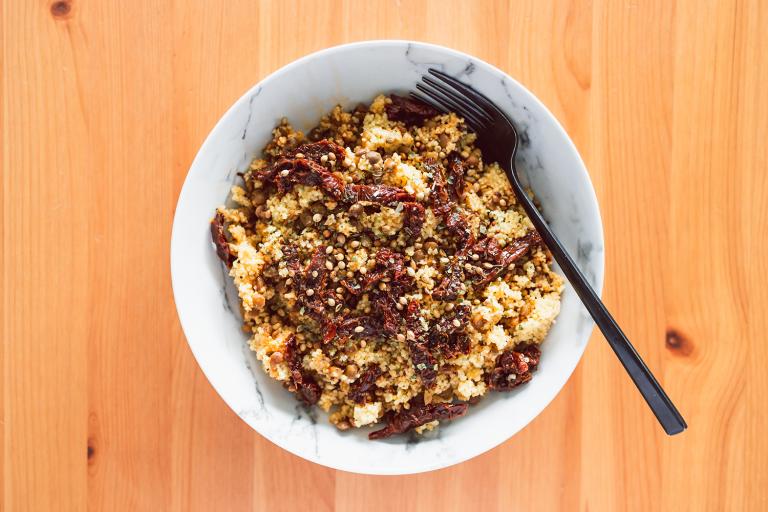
[104, 105]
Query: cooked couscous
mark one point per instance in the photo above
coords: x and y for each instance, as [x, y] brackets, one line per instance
[385, 271]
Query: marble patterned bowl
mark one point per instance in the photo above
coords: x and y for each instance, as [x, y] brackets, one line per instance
[207, 304]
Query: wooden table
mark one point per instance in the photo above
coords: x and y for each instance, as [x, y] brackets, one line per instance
[104, 105]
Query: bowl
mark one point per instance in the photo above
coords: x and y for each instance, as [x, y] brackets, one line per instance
[207, 303]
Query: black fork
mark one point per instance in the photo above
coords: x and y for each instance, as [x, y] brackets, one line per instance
[497, 138]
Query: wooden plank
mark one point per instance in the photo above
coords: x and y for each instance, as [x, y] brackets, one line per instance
[103, 108]
[45, 264]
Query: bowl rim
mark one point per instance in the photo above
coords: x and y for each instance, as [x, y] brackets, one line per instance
[342, 465]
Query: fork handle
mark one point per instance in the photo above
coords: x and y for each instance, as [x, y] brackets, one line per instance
[665, 411]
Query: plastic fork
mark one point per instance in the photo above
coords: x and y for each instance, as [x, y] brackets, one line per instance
[497, 138]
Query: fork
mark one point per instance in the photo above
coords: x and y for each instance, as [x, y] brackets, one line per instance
[497, 139]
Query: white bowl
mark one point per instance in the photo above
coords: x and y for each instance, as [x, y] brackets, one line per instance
[207, 304]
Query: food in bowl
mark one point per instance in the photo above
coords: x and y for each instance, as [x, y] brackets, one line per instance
[385, 271]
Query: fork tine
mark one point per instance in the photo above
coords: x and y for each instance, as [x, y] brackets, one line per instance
[458, 98]
[449, 104]
[428, 101]
[480, 100]
[435, 102]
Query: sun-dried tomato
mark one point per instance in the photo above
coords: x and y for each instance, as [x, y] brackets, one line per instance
[288, 170]
[409, 110]
[291, 258]
[440, 200]
[353, 287]
[315, 278]
[456, 175]
[316, 150]
[219, 238]
[413, 218]
[316, 274]
[417, 415]
[448, 334]
[355, 327]
[330, 331]
[380, 194]
[457, 225]
[447, 186]
[394, 263]
[501, 259]
[444, 204]
[362, 388]
[384, 306]
[307, 389]
[487, 248]
[533, 353]
[423, 361]
[388, 264]
[513, 368]
[453, 280]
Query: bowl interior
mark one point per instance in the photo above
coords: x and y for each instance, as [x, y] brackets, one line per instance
[207, 303]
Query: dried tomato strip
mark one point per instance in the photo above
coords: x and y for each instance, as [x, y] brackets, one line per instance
[456, 173]
[424, 363]
[513, 368]
[410, 111]
[448, 334]
[219, 239]
[290, 170]
[503, 258]
[418, 415]
[307, 389]
[457, 225]
[362, 389]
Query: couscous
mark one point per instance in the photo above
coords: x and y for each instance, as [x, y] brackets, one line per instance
[385, 271]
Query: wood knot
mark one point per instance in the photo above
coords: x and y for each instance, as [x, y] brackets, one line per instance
[91, 450]
[61, 9]
[677, 343]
